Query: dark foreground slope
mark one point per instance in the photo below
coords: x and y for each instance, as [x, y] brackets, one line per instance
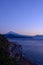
[11, 54]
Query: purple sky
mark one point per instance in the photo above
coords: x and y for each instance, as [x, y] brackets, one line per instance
[21, 16]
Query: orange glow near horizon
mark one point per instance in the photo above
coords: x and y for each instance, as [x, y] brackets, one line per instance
[23, 33]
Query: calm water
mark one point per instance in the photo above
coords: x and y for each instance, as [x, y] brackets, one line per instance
[32, 49]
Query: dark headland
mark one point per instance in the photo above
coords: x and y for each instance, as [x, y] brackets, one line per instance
[11, 54]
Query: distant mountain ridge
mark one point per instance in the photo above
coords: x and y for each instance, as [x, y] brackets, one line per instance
[15, 35]
[12, 33]
[39, 37]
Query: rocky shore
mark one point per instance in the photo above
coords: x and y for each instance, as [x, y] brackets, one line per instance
[11, 54]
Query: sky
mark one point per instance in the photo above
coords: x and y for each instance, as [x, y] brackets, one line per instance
[21, 16]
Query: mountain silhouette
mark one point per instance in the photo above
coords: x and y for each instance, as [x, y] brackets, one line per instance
[15, 35]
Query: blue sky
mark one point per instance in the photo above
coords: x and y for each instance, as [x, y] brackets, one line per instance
[21, 16]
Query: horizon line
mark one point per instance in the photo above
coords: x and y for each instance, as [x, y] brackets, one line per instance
[23, 34]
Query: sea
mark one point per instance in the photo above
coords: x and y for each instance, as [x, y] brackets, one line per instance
[32, 49]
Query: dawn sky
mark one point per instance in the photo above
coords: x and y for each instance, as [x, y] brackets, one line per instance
[21, 16]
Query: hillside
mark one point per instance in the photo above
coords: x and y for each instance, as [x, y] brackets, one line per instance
[11, 54]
